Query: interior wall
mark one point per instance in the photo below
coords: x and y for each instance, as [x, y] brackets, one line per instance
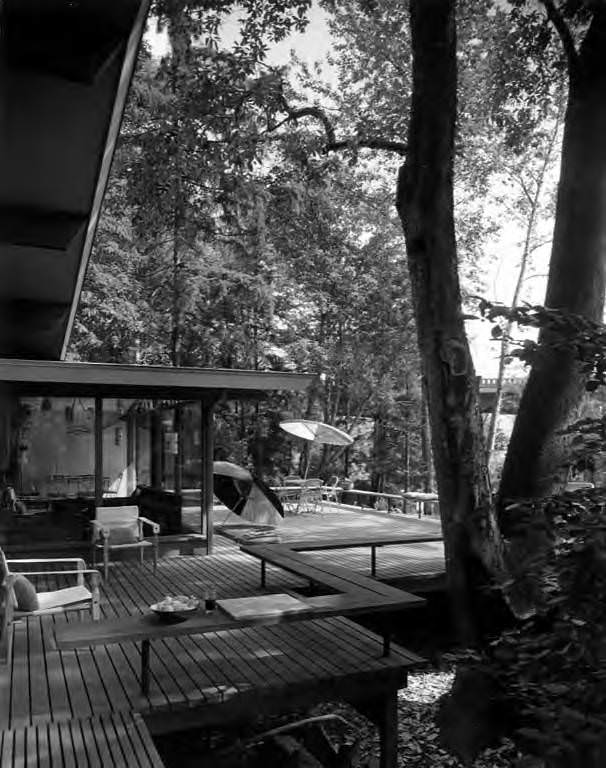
[58, 456]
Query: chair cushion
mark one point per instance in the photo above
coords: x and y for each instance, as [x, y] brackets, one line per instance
[125, 533]
[110, 516]
[62, 598]
[25, 594]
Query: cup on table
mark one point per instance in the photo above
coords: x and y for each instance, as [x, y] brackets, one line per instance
[210, 598]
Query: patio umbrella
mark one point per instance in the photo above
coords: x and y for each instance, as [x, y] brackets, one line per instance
[245, 495]
[316, 432]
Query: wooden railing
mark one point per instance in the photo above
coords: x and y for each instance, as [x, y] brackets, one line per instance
[402, 500]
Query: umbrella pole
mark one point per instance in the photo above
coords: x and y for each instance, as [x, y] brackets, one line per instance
[304, 478]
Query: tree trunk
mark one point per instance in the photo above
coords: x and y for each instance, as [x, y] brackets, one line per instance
[425, 205]
[426, 457]
[534, 462]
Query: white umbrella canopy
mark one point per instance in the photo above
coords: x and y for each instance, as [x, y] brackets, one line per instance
[316, 432]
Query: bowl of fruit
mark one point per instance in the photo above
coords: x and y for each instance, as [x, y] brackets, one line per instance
[175, 608]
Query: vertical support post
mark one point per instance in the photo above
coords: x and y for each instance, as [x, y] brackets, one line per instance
[98, 438]
[131, 469]
[156, 448]
[206, 463]
[178, 429]
[388, 730]
[373, 560]
[382, 710]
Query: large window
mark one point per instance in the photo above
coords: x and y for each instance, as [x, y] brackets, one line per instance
[151, 455]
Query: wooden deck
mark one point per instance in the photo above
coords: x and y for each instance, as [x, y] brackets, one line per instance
[198, 680]
[414, 567]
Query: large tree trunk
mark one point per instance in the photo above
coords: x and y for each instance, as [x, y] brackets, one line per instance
[425, 204]
[533, 466]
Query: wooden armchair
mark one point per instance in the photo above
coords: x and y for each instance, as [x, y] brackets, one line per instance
[79, 597]
[120, 528]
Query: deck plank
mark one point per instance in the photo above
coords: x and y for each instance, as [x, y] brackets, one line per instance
[38, 686]
[191, 677]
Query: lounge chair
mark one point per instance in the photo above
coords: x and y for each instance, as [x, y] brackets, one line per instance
[116, 529]
[78, 597]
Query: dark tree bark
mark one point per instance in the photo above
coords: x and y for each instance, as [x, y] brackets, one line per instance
[533, 466]
[426, 457]
[425, 204]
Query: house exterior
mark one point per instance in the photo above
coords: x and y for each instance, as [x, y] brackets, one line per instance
[90, 433]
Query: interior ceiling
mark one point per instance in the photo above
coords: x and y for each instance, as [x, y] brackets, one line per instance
[65, 69]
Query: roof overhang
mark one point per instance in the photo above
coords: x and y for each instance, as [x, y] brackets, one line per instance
[65, 71]
[74, 379]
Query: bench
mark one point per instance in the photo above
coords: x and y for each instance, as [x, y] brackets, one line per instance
[281, 559]
[120, 740]
[355, 594]
[378, 540]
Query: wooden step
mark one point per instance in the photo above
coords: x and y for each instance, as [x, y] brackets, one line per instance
[120, 740]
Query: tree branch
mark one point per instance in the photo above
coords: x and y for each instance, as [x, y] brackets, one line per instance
[563, 30]
[332, 144]
[399, 147]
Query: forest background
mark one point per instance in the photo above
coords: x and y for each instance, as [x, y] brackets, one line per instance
[250, 223]
[231, 238]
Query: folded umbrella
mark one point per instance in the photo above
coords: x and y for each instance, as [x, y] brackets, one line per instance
[246, 495]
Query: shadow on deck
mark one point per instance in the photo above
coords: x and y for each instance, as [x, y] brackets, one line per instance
[195, 680]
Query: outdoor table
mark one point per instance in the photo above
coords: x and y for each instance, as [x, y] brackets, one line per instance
[419, 498]
[147, 626]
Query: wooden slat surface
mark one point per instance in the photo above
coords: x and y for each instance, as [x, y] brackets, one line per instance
[326, 572]
[240, 668]
[421, 559]
[109, 741]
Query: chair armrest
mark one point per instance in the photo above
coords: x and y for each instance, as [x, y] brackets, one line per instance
[78, 572]
[35, 561]
[92, 573]
[146, 521]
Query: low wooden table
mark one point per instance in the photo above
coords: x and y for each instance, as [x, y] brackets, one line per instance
[148, 627]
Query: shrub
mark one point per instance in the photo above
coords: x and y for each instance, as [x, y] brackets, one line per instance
[553, 666]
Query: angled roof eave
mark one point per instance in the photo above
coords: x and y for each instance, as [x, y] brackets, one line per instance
[113, 130]
[61, 378]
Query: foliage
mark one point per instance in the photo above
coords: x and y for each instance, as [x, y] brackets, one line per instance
[552, 666]
[222, 245]
[565, 331]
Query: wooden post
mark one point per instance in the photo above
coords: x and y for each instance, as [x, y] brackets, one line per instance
[206, 464]
[178, 466]
[382, 710]
[388, 730]
[98, 438]
[155, 448]
[131, 469]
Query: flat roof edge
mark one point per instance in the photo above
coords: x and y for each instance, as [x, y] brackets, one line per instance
[145, 377]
